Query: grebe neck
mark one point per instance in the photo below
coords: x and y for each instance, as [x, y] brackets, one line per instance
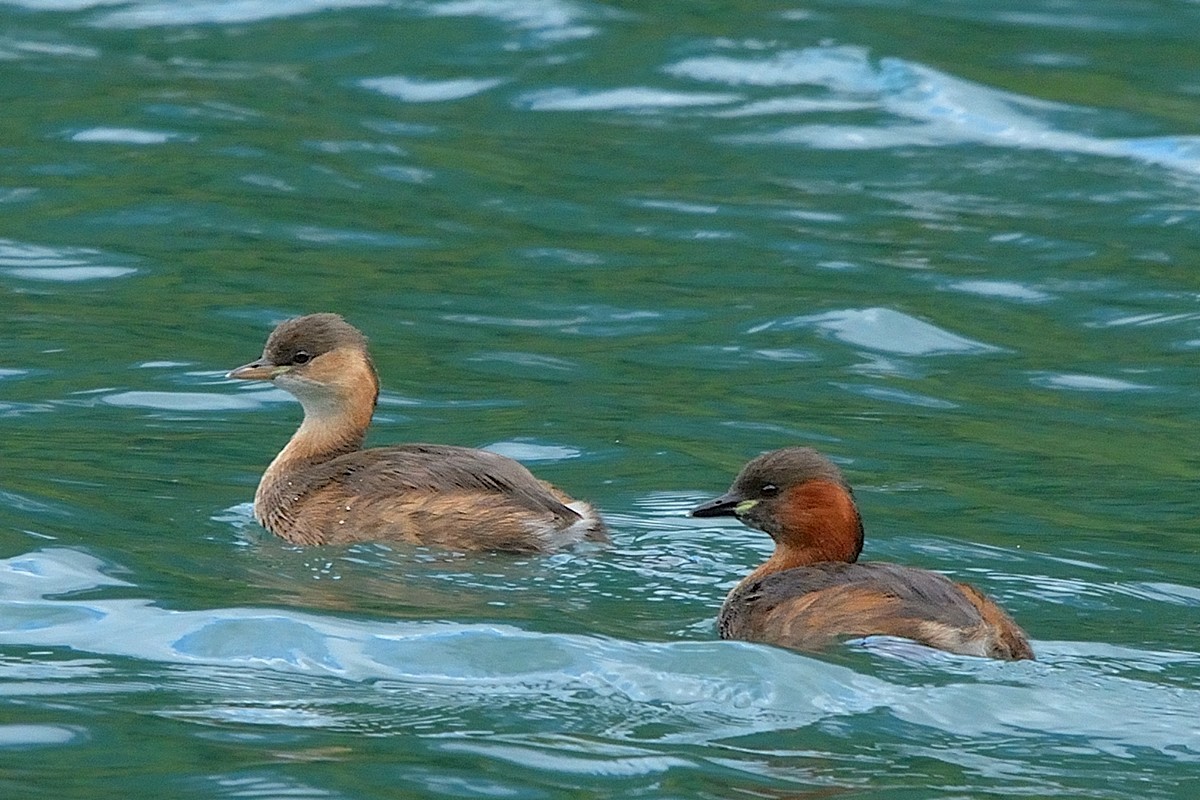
[337, 414]
[817, 522]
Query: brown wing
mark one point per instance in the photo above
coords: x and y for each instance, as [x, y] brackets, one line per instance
[454, 497]
[808, 608]
[445, 469]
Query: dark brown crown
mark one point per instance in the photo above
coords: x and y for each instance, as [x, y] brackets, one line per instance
[313, 334]
[790, 466]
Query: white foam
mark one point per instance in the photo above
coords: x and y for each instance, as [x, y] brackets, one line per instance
[550, 20]
[67, 264]
[839, 69]
[64, 5]
[124, 136]
[884, 330]
[894, 395]
[403, 174]
[1087, 383]
[70, 274]
[27, 736]
[631, 98]
[793, 105]
[415, 90]
[260, 666]
[1005, 290]
[15, 49]
[180, 401]
[931, 108]
[156, 13]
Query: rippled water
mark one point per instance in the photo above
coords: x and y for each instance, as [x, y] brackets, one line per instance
[951, 244]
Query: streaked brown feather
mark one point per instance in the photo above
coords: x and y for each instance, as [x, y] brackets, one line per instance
[810, 607]
[431, 494]
[323, 488]
[810, 592]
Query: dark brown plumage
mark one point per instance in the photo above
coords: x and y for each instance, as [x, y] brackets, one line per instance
[323, 488]
[810, 593]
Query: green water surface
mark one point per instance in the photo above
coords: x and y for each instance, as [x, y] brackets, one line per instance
[952, 244]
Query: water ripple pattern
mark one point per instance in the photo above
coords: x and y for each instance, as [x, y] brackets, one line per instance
[937, 109]
[630, 245]
[697, 692]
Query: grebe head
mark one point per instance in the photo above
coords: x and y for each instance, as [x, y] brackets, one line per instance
[321, 360]
[800, 499]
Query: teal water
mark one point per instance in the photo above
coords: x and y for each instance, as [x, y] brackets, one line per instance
[953, 245]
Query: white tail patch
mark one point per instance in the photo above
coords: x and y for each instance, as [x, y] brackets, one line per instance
[589, 526]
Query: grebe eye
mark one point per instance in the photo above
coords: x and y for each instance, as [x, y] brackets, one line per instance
[301, 357]
[769, 490]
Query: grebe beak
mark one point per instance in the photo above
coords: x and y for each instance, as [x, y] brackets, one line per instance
[260, 370]
[727, 505]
